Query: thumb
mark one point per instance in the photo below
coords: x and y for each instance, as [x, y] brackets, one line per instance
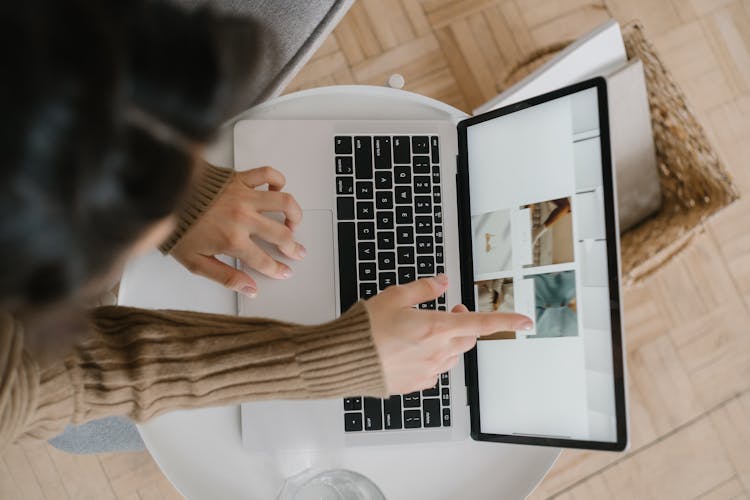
[421, 290]
[460, 308]
[227, 276]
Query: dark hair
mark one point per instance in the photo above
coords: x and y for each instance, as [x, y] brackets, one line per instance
[102, 101]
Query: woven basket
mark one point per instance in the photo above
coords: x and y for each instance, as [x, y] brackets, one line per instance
[694, 183]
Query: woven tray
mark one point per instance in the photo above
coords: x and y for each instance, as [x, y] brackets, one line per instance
[694, 183]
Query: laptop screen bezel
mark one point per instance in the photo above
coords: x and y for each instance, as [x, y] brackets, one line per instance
[612, 233]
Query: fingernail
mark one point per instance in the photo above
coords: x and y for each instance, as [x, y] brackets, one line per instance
[286, 273]
[526, 325]
[442, 279]
[249, 291]
[301, 251]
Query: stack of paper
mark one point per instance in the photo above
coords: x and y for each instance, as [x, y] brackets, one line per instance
[602, 53]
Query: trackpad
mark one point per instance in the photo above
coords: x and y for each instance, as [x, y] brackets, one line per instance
[308, 297]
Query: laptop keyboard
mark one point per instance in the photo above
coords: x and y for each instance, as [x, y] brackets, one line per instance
[389, 213]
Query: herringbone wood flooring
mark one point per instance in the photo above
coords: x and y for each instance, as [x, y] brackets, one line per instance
[687, 328]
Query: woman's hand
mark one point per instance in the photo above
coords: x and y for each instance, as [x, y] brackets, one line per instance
[227, 226]
[416, 346]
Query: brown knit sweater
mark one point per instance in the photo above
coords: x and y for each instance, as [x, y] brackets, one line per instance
[144, 363]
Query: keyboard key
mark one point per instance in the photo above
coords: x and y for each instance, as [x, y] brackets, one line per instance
[368, 290]
[441, 308]
[403, 195]
[343, 145]
[352, 422]
[421, 165]
[405, 255]
[435, 175]
[366, 230]
[384, 220]
[392, 412]
[382, 152]
[421, 184]
[345, 207]
[384, 180]
[347, 266]
[424, 245]
[420, 145]
[344, 165]
[432, 392]
[344, 185]
[435, 149]
[439, 270]
[438, 234]
[352, 404]
[366, 250]
[384, 200]
[405, 235]
[445, 378]
[386, 279]
[363, 157]
[412, 419]
[404, 214]
[386, 240]
[439, 254]
[426, 265]
[406, 275]
[438, 215]
[367, 271]
[386, 260]
[445, 396]
[441, 300]
[401, 150]
[373, 414]
[430, 411]
[365, 210]
[402, 175]
[428, 305]
[364, 191]
[424, 224]
[422, 205]
[446, 417]
[436, 198]
[411, 400]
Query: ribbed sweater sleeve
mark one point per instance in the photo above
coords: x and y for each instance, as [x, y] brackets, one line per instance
[209, 185]
[143, 363]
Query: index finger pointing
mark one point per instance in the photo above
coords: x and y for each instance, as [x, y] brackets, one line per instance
[478, 324]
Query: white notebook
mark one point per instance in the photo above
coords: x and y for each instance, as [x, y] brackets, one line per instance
[638, 187]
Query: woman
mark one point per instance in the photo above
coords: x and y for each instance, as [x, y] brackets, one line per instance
[106, 106]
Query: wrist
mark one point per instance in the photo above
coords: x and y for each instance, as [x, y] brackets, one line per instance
[209, 184]
[340, 357]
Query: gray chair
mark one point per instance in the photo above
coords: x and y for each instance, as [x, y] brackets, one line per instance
[293, 30]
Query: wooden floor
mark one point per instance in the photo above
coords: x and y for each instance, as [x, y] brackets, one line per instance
[687, 328]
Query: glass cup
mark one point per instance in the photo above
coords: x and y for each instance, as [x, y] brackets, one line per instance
[336, 484]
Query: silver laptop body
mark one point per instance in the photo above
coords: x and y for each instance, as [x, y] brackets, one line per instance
[305, 151]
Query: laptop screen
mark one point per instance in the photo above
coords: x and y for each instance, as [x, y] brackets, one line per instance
[539, 244]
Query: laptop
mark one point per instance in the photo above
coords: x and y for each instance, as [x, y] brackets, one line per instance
[517, 206]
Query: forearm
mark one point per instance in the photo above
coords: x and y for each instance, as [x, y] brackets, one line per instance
[144, 363]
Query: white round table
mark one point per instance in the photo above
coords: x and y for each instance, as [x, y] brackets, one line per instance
[201, 451]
